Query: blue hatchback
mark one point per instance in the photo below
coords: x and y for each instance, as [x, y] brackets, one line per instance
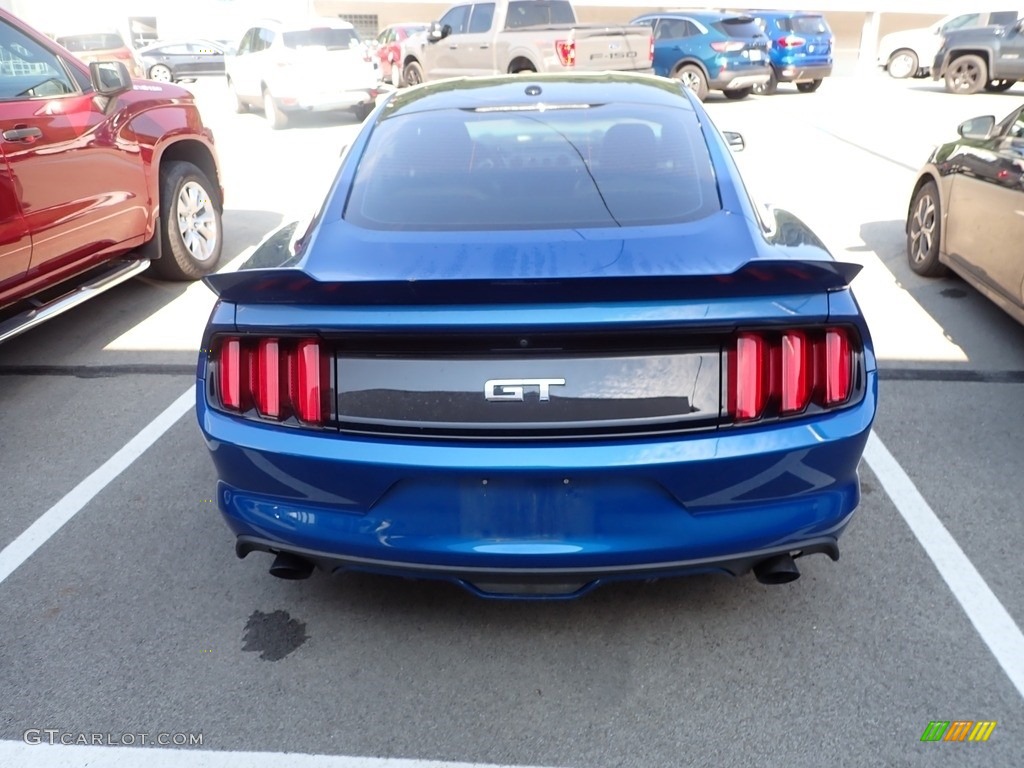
[538, 337]
[709, 51]
[801, 49]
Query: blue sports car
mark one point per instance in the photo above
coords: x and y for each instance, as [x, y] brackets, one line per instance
[537, 337]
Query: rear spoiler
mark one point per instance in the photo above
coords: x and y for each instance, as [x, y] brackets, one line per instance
[756, 278]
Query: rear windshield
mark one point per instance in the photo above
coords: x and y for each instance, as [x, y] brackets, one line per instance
[804, 25]
[322, 37]
[562, 168]
[532, 13]
[98, 42]
[739, 27]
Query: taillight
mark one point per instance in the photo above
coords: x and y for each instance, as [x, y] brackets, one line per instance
[274, 378]
[651, 50]
[790, 41]
[566, 50]
[728, 46]
[782, 373]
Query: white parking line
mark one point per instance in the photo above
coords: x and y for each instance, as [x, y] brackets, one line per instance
[992, 621]
[16, 753]
[22, 548]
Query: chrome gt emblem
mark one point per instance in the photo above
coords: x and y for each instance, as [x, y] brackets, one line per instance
[513, 390]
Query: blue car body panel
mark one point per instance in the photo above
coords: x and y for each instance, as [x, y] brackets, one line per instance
[574, 511]
[810, 61]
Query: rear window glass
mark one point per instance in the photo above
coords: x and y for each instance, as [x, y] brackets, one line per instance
[97, 42]
[739, 27]
[531, 13]
[804, 25]
[562, 168]
[323, 37]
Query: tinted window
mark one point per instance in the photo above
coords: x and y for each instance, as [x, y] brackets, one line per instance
[672, 29]
[264, 39]
[97, 42]
[27, 70]
[246, 45]
[323, 37]
[599, 166]
[457, 19]
[960, 22]
[531, 13]
[739, 27]
[1003, 17]
[804, 25]
[171, 50]
[483, 15]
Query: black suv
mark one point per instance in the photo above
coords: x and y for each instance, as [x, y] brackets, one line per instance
[990, 58]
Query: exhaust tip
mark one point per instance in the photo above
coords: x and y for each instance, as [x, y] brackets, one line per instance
[291, 567]
[780, 569]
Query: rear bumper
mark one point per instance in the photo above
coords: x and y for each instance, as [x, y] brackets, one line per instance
[747, 77]
[326, 102]
[789, 73]
[548, 510]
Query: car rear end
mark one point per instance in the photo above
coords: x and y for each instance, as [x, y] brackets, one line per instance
[739, 56]
[532, 411]
[102, 46]
[801, 47]
[614, 49]
[321, 68]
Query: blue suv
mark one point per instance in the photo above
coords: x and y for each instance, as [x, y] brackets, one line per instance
[801, 49]
[710, 51]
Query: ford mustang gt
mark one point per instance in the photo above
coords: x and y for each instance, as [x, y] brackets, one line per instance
[537, 337]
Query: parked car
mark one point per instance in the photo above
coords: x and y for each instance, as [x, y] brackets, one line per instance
[910, 52]
[172, 61]
[538, 337]
[97, 180]
[710, 51]
[104, 45]
[965, 211]
[989, 58]
[510, 36]
[317, 65]
[800, 52]
[389, 50]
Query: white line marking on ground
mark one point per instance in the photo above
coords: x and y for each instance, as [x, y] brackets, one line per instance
[992, 621]
[16, 753]
[22, 548]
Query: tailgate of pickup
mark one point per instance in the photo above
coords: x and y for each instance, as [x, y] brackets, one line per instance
[618, 48]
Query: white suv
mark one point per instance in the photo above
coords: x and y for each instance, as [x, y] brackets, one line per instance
[312, 66]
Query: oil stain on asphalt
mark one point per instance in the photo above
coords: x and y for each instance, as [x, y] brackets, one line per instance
[273, 635]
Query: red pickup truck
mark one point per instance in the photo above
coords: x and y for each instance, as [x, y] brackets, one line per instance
[100, 176]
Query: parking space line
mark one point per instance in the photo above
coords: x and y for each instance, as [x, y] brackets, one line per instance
[59, 756]
[989, 617]
[22, 548]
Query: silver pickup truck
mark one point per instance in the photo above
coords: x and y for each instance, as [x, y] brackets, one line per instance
[509, 36]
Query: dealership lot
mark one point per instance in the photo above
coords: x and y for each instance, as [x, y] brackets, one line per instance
[134, 617]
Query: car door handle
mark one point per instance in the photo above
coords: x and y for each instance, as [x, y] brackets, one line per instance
[453, 47]
[484, 47]
[25, 133]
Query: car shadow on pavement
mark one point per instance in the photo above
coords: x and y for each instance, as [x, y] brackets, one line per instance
[158, 322]
[967, 318]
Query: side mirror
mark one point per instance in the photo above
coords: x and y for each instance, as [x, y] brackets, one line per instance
[435, 32]
[734, 140]
[110, 78]
[977, 127]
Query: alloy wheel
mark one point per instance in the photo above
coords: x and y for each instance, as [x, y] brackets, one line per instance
[197, 223]
[922, 228]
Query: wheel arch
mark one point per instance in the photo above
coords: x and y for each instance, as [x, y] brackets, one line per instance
[200, 155]
[926, 176]
[984, 53]
[674, 69]
[517, 64]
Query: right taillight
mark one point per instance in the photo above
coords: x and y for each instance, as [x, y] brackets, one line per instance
[784, 372]
[566, 50]
[274, 378]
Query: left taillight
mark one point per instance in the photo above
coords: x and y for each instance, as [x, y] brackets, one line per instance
[566, 50]
[782, 373]
[273, 378]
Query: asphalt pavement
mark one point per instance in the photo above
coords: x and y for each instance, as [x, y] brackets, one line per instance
[133, 616]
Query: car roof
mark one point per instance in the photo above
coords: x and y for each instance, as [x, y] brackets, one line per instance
[308, 22]
[696, 13]
[556, 89]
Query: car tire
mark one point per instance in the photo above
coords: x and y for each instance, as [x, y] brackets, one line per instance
[413, 73]
[903, 64]
[738, 93]
[190, 223]
[768, 87]
[810, 87]
[241, 106]
[998, 86]
[923, 232]
[396, 75]
[966, 74]
[161, 73]
[276, 119]
[692, 77]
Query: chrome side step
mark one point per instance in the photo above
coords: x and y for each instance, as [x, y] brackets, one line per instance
[32, 317]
